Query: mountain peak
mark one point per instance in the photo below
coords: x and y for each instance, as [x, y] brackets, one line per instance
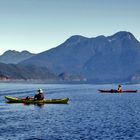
[123, 34]
[9, 52]
[13, 56]
[14, 52]
[75, 39]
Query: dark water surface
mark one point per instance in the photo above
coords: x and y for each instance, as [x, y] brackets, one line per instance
[88, 116]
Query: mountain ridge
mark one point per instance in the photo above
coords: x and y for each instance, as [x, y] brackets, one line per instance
[14, 57]
[101, 58]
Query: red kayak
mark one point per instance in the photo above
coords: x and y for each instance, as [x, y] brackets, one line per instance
[116, 91]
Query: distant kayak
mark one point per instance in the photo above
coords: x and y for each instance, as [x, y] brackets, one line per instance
[32, 101]
[116, 91]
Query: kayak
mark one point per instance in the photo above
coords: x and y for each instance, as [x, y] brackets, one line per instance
[116, 91]
[32, 101]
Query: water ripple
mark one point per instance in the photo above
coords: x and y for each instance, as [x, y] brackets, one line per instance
[88, 116]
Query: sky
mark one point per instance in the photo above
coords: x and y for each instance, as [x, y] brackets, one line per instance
[38, 25]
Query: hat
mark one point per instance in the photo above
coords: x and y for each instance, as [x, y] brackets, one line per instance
[40, 90]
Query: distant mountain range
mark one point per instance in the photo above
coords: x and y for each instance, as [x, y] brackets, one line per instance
[114, 58]
[101, 59]
[14, 57]
[9, 70]
[15, 72]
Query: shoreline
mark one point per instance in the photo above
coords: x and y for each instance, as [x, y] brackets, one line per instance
[62, 82]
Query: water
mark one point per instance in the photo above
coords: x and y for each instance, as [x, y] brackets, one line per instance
[88, 116]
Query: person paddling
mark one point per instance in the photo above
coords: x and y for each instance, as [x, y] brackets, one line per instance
[39, 95]
[119, 88]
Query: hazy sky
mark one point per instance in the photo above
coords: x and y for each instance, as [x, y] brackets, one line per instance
[38, 25]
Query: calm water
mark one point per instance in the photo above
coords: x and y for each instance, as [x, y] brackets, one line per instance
[88, 116]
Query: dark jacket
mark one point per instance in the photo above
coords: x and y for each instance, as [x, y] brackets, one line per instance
[39, 96]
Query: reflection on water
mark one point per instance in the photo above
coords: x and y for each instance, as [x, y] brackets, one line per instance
[37, 104]
[88, 116]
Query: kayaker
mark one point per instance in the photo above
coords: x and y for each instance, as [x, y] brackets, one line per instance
[119, 88]
[39, 95]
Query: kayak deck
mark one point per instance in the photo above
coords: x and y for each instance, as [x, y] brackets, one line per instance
[116, 91]
[31, 101]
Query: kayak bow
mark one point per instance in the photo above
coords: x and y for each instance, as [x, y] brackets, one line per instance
[31, 101]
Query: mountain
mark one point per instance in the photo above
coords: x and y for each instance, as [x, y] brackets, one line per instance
[15, 72]
[14, 57]
[101, 59]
